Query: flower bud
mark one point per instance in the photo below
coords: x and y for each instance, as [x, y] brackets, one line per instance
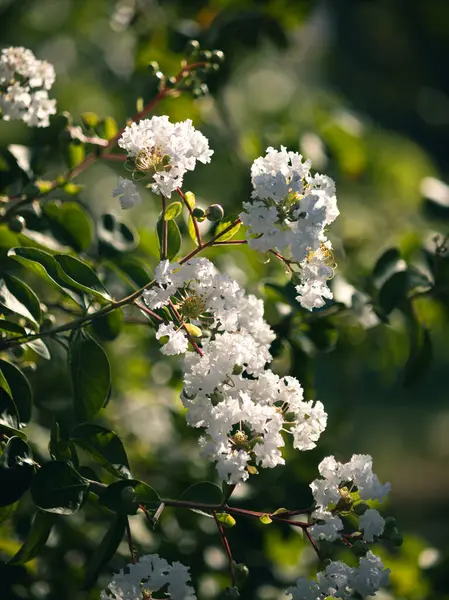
[217, 56]
[193, 330]
[16, 224]
[192, 47]
[216, 397]
[237, 369]
[199, 213]
[214, 212]
[153, 67]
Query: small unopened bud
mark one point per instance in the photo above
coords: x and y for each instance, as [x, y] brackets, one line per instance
[199, 213]
[216, 397]
[153, 67]
[237, 369]
[16, 224]
[192, 47]
[193, 330]
[214, 212]
[217, 56]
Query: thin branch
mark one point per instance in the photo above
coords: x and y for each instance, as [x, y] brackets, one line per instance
[227, 547]
[130, 541]
[145, 309]
[84, 320]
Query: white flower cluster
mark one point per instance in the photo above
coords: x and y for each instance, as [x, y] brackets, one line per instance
[127, 193]
[150, 574]
[227, 389]
[24, 85]
[289, 213]
[338, 481]
[165, 150]
[339, 580]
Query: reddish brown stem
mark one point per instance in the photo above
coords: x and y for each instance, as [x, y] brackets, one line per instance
[164, 229]
[227, 547]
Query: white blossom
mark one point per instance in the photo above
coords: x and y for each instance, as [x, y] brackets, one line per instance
[371, 523]
[127, 193]
[339, 580]
[289, 213]
[165, 150]
[24, 85]
[242, 406]
[338, 480]
[177, 340]
[150, 573]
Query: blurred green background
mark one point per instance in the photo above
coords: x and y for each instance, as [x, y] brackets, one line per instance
[361, 88]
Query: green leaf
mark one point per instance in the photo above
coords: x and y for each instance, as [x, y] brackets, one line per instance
[105, 550]
[20, 389]
[80, 276]
[203, 492]
[25, 295]
[39, 347]
[134, 268]
[389, 262]
[124, 497]
[104, 446]
[36, 539]
[108, 326]
[72, 222]
[59, 445]
[16, 471]
[393, 293]
[224, 224]
[44, 265]
[58, 488]
[173, 237]
[91, 377]
[11, 327]
[226, 519]
[191, 230]
[265, 519]
[146, 495]
[74, 154]
[10, 301]
[420, 357]
[173, 210]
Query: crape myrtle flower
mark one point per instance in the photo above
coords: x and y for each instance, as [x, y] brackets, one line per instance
[289, 212]
[165, 151]
[24, 85]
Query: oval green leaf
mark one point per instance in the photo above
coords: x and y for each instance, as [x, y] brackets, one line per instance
[91, 376]
[57, 488]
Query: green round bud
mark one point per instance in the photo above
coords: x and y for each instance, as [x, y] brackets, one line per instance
[198, 213]
[153, 67]
[217, 56]
[48, 322]
[216, 397]
[205, 55]
[16, 224]
[214, 212]
[192, 47]
[237, 370]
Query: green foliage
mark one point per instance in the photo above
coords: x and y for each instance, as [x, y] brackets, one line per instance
[91, 377]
